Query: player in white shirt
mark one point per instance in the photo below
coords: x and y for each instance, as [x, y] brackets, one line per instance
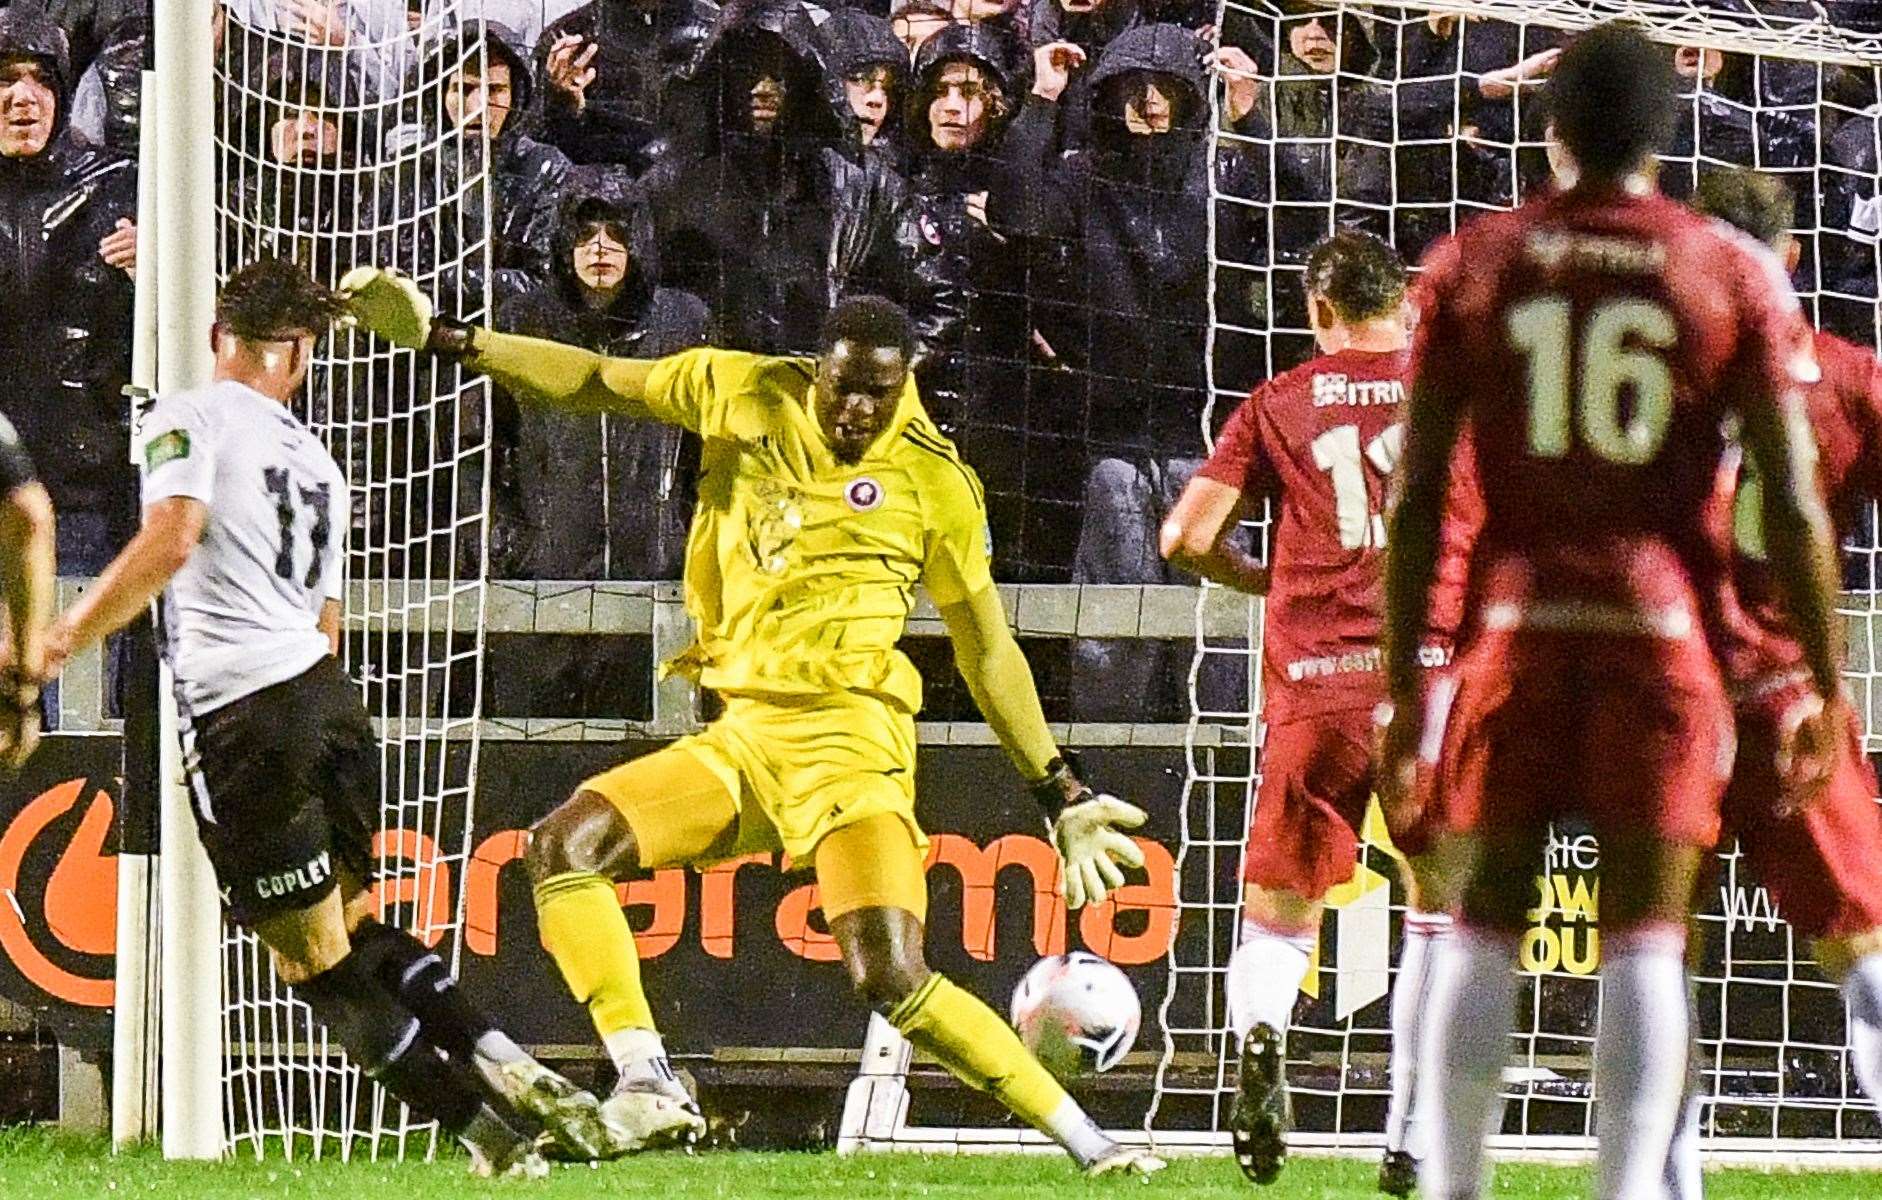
[243, 514]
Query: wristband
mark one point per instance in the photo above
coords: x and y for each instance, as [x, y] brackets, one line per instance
[1049, 792]
[450, 339]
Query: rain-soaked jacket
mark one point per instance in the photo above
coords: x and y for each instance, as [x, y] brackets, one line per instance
[555, 466]
[642, 46]
[525, 179]
[1134, 211]
[965, 281]
[747, 221]
[65, 315]
[851, 42]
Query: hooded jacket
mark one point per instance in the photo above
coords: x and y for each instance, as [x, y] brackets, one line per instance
[557, 463]
[64, 314]
[1134, 210]
[1091, 32]
[964, 280]
[851, 42]
[641, 47]
[525, 180]
[745, 221]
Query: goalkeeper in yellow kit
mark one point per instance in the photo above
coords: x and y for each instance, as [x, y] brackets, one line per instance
[826, 495]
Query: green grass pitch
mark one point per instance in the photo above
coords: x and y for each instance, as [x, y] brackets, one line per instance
[42, 1166]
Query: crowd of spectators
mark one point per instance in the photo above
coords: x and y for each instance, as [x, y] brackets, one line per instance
[1032, 179]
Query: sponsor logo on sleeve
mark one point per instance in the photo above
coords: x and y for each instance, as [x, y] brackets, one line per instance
[166, 447]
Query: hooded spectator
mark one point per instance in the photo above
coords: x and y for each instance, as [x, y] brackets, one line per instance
[484, 90]
[1136, 205]
[105, 103]
[69, 250]
[304, 203]
[606, 69]
[1322, 55]
[868, 71]
[603, 295]
[1089, 25]
[962, 260]
[747, 223]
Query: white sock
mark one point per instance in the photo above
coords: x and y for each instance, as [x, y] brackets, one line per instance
[638, 1053]
[1460, 1079]
[498, 1046]
[1264, 978]
[1411, 1001]
[1683, 1180]
[1072, 1128]
[1639, 1059]
[1862, 992]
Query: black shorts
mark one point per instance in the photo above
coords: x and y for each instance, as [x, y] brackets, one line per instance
[285, 784]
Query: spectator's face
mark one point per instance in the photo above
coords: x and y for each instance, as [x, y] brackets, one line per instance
[304, 138]
[962, 107]
[1701, 63]
[858, 388]
[868, 94]
[1312, 42]
[763, 87]
[1148, 104]
[970, 11]
[476, 101]
[28, 106]
[601, 256]
[914, 28]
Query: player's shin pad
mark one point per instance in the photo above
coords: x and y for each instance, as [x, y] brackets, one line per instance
[981, 1050]
[587, 934]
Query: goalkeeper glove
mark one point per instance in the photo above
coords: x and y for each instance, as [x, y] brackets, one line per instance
[1085, 827]
[390, 305]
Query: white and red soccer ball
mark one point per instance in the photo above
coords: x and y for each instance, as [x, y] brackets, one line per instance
[1077, 1013]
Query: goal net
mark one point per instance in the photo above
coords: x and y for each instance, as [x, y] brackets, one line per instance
[335, 157]
[1406, 120]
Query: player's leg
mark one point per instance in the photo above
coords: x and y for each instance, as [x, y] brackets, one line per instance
[1654, 797]
[1316, 777]
[1503, 758]
[313, 954]
[1427, 928]
[664, 809]
[875, 897]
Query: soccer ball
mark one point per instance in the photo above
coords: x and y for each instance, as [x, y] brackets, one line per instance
[1076, 1013]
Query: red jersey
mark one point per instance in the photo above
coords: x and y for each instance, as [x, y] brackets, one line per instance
[1845, 410]
[1321, 441]
[1596, 342]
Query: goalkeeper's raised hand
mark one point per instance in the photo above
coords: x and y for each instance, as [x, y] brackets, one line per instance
[388, 304]
[1086, 829]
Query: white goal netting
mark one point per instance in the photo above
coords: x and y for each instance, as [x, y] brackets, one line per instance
[335, 157]
[1428, 115]
[1405, 120]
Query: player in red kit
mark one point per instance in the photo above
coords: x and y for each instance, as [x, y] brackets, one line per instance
[1822, 862]
[1595, 343]
[1320, 441]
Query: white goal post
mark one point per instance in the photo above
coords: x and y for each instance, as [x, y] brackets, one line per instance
[245, 1069]
[1403, 139]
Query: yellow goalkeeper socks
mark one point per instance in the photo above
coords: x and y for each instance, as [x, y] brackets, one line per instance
[583, 928]
[982, 1051]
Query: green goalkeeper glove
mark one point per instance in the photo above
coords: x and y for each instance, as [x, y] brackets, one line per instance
[1085, 829]
[388, 304]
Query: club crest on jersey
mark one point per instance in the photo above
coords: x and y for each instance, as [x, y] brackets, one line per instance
[863, 494]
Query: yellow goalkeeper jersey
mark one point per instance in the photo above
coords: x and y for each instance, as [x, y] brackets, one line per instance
[800, 571]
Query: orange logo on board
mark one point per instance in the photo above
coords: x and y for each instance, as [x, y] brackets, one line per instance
[77, 908]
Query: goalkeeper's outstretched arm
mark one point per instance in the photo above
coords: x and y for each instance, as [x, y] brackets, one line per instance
[565, 377]
[1085, 826]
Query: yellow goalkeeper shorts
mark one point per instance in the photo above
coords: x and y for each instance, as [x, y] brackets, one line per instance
[780, 772]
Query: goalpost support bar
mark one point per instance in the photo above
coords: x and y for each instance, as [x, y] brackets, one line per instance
[191, 929]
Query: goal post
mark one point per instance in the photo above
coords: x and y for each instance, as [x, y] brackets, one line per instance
[392, 179]
[1418, 126]
[190, 946]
